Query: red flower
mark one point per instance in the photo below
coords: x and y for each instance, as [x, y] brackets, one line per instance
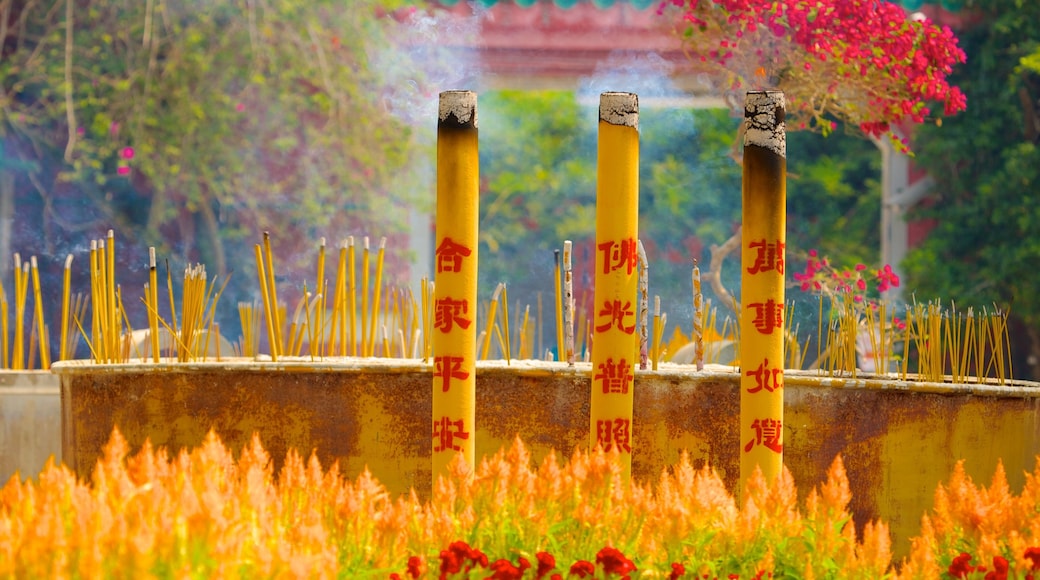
[415, 567]
[961, 566]
[1033, 554]
[614, 562]
[505, 570]
[454, 559]
[1000, 569]
[583, 569]
[546, 563]
[678, 571]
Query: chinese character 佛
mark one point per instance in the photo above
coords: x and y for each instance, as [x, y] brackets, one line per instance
[450, 255]
[767, 433]
[445, 432]
[614, 432]
[768, 256]
[769, 379]
[619, 255]
[448, 368]
[616, 377]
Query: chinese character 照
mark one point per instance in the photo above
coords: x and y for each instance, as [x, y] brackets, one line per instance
[614, 432]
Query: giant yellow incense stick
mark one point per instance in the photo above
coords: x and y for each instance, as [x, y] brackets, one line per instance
[763, 239]
[615, 301]
[454, 338]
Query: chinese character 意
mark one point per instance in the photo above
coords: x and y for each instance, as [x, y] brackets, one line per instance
[616, 377]
[449, 312]
[616, 314]
[450, 255]
[448, 368]
[767, 433]
[768, 256]
[769, 379]
[769, 316]
[617, 255]
[614, 432]
[446, 431]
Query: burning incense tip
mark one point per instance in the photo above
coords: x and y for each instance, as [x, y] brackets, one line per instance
[619, 109]
[68, 262]
[458, 109]
[764, 113]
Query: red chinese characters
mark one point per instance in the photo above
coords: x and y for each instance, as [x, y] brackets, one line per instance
[769, 316]
[615, 377]
[615, 314]
[614, 432]
[768, 433]
[449, 312]
[617, 255]
[769, 256]
[766, 378]
[450, 254]
[447, 368]
[445, 432]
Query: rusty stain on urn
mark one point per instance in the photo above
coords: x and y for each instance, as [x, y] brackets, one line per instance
[898, 440]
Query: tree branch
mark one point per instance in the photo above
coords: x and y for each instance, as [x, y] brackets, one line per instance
[718, 255]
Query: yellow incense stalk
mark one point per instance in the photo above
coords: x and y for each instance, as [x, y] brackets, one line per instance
[317, 332]
[614, 317]
[41, 326]
[20, 286]
[272, 289]
[375, 297]
[352, 307]
[153, 299]
[764, 218]
[454, 340]
[559, 306]
[492, 310]
[269, 315]
[113, 328]
[66, 289]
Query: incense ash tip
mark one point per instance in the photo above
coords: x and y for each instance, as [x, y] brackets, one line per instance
[764, 113]
[458, 108]
[619, 109]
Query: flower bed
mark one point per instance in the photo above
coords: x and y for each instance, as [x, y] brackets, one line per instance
[205, 514]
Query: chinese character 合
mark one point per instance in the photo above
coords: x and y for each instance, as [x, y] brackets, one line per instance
[617, 255]
[767, 433]
[448, 368]
[769, 316]
[449, 312]
[446, 431]
[450, 255]
[766, 378]
[615, 376]
[769, 256]
[616, 313]
[614, 432]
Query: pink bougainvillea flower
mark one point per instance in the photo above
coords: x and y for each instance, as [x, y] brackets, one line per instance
[123, 170]
[127, 153]
[240, 107]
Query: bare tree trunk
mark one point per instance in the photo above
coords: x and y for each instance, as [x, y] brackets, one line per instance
[718, 256]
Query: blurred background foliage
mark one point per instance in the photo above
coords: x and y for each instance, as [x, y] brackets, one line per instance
[195, 125]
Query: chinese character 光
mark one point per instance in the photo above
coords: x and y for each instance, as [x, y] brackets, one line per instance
[767, 433]
[446, 431]
[616, 377]
[450, 255]
[617, 255]
[769, 256]
[616, 314]
[449, 312]
[448, 368]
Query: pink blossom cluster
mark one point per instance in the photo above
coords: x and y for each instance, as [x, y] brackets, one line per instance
[863, 61]
[819, 276]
